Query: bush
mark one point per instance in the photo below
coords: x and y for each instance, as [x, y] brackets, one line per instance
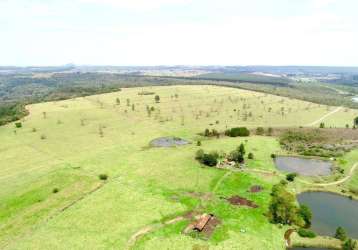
[306, 214]
[55, 190]
[291, 176]
[18, 125]
[103, 177]
[198, 143]
[273, 156]
[349, 245]
[340, 234]
[260, 131]
[199, 154]
[235, 132]
[306, 233]
[209, 160]
[250, 156]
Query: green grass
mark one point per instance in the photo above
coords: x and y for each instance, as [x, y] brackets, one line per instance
[145, 185]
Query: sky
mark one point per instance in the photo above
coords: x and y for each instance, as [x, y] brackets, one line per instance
[179, 32]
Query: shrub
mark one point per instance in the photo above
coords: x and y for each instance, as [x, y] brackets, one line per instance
[321, 125]
[43, 137]
[349, 245]
[291, 176]
[55, 190]
[209, 160]
[18, 125]
[269, 131]
[340, 234]
[235, 132]
[250, 156]
[198, 143]
[103, 177]
[283, 208]
[260, 131]
[199, 154]
[273, 156]
[306, 214]
[157, 98]
[306, 233]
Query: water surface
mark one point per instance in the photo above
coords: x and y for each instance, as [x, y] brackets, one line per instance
[303, 166]
[331, 211]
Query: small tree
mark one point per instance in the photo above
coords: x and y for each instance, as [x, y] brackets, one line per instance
[198, 143]
[269, 131]
[356, 121]
[118, 101]
[103, 177]
[349, 245]
[322, 125]
[291, 177]
[250, 156]
[18, 125]
[340, 234]
[242, 149]
[260, 131]
[306, 214]
[157, 98]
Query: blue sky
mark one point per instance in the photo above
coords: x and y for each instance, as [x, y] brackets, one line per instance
[192, 32]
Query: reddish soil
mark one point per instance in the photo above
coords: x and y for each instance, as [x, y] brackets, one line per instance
[240, 201]
[256, 189]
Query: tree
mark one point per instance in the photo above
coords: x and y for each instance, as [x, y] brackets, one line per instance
[340, 234]
[209, 160]
[198, 143]
[157, 98]
[235, 132]
[349, 245]
[291, 177]
[269, 131]
[118, 101]
[250, 156]
[260, 131]
[242, 149]
[321, 125]
[306, 214]
[207, 132]
[199, 154]
[283, 208]
[356, 121]
[18, 125]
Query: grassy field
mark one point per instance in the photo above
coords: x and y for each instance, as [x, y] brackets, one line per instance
[65, 145]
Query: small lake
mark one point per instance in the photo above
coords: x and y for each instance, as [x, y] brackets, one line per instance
[331, 211]
[303, 166]
[168, 142]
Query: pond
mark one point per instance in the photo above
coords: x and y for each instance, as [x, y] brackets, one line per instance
[331, 211]
[168, 142]
[303, 166]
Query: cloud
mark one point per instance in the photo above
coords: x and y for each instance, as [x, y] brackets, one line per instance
[140, 5]
[320, 4]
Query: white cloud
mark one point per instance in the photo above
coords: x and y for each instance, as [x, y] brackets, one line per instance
[319, 4]
[140, 5]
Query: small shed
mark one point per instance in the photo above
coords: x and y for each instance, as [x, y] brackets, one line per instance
[203, 220]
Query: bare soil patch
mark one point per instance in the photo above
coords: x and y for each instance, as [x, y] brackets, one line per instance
[240, 201]
[256, 189]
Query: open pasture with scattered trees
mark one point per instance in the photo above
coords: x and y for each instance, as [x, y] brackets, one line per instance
[82, 173]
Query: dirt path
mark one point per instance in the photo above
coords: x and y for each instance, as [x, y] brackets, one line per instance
[324, 117]
[351, 172]
[150, 228]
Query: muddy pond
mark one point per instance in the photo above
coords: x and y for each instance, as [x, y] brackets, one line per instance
[331, 211]
[303, 166]
[168, 142]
